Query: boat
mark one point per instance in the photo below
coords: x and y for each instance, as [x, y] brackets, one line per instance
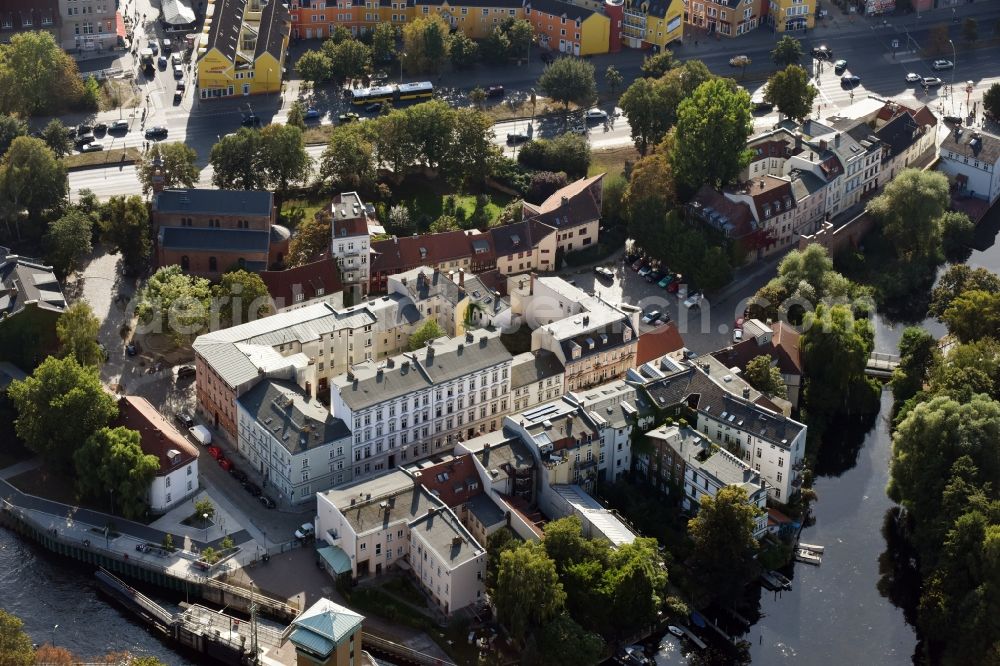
[807, 556]
[769, 581]
[815, 549]
[676, 631]
[634, 655]
[785, 583]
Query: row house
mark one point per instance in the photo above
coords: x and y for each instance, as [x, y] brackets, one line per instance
[780, 342]
[454, 301]
[536, 377]
[971, 160]
[729, 18]
[456, 481]
[291, 440]
[469, 251]
[350, 243]
[791, 15]
[417, 404]
[85, 26]
[773, 205]
[907, 138]
[616, 408]
[652, 24]
[569, 28]
[684, 459]
[20, 16]
[394, 522]
[306, 345]
[573, 211]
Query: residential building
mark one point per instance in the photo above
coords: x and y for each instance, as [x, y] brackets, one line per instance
[791, 15]
[616, 408]
[597, 522]
[971, 160]
[729, 18]
[210, 232]
[456, 482]
[658, 342]
[524, 246]
[470, 251]
[327, 634]
[733, 219]
[780, 342]
[294, 288]
[644, 24]
[417, 404]
[907, 138]
[506, 466]
[871, 160]
[85, 26]
[350, 244]
[392, 519]
[17, 16]
[574, 211]
[733, 414]
[31, 301]
[535, 377]
[456, 302]
[177, 475]
[306, 345]
[292, 440]
[685, 460]
[475, 18]
[595, 341]
[772, 205]
[242, 48]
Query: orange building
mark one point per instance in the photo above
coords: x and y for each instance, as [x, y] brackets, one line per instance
[561, 26]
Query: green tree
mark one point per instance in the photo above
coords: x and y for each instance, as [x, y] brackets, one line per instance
[909, 211]
[59, 406]
[496, 47]
[569, 80]
[428, 331]
[37, 76]
[348, 161]
[918, 352]
[723, 544]
[791, 92]
[311, 240]
[637, 583]
[477, 95]
[444, 223]
[10, 128]
[90, 100]
[650, 193]
[788, 51]
[176, 304]
[528, 592]
[655, 66]
[178, 166]
[502, 540]
[125, 226]
[243, 297]
[296, 116]
[970, 30]
[613, 79]
[567, 152]
[68, 240]
[521, 36]
[112, 459]
[957, 280]
[713, 125]
[56, 137]
[314, 66]
[464, 51]
[204, 507]
[991, 101]
[383, 42]
[764, 377]
[350, 59]
[236, 163]
[715, 270]
[77, 329]
[957, 235]
[643, 105]
[15, 645]
[394, 144]
[282, 157]
[471, 154]
[973, 315]
[432, 125]
[425, 44]
[563, 642]
[32, 178]
[338, 35]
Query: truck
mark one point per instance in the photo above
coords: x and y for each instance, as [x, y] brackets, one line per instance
[201, 434]
[146, 56]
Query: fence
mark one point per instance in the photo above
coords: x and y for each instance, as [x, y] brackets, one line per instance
[379, 644]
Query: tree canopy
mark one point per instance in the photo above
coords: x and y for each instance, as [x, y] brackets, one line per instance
[15, 645]
[426, 44]
[528, 592]
[567, 152]
[569, 80]
[765, 377]
[349, 158]
[242, 297]
[175, 304]
[991, 101]
[125, 226]
[909, 211]
[32, 178]
[651, 104]
[957, 280]
[723, 543]
[112, 459]
[788, 51]
[178, 168]
[428, 331]
[311, 240]
[791, 91]
[77, 330]
[68, 240]
[37, 76]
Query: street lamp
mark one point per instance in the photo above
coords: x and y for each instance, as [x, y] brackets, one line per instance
[402, 55]
[969, 87]
[954, 64]
[204, 517]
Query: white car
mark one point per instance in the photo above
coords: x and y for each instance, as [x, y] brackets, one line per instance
[939, 65]
[650, 316]
[692, 301]
[176, 59]
[596, 114]
[737, 335]
[304, 531]
[913, 77]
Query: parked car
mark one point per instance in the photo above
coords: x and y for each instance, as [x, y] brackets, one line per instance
[250, 120]
[84, 129]
[345, 118]
[644, 271]
[179, 92]
[118, 126]
[665, 281]
[92, 147]
[840, 67]
[516, 137]
[822, 53]
[737, 335]
[931, 82]
[638, 263]
[131, 349]
[374, 107]
[692, 301]
[739, 61]
[268, 502]
[654, 276]
[312, 113]
[161, 62]
[225, 464]
[852, 81]
[167, 45]
[596, 114]
[84, 139]
[176, 59]
[674, 286]
[154, 47]
[941, 65]
[186, 372]
[495, 91]
[913, 77]
[253, 489]
[239, 475]
[186, 419]
[631, 257]
[156, 133]
[953, 120]
[305, 531]
[547, 57]
[603, 272]
[101, 128]
[215, 452]
[178, 72]
[651, 316]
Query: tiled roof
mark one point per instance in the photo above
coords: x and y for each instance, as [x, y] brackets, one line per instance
[658, 342]
[898, 134]
[396, 255]
[275, 26]
[569, 206]
[453, 481]
[214, 202]
[320, 278]
[980, 146]
[734, 218]
[291, 417]
[157, 436]
[519, 237]
[530, 367]
[557, 8]
[224, 32]
[771, 195]
[208, 239]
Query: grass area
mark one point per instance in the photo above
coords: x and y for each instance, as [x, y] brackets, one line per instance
[404, 589]
[295, 211]
[374, 601]
[521, 108]
[426, 202]
[317, 135]
[117, 93]
[612, 161]
[102, 158]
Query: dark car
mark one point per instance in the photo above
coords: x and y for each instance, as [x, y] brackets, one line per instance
[250, 121]
[655, 276]
[100, 128]
[494, 91]
[954, 120]
[84, 129]
[83, 139]
[605, 273]
[253, 489]
[186, 420]
[268, 502]
[118, 126]
[374, 107]
[132, 348]
[239, 475]
[822, 53]
[547, 58]
[851, 81]
[156, 133]
[186, 372]
[516, 137]
[840, 67]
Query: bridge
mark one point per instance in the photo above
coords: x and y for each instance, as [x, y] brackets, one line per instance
[881, 365]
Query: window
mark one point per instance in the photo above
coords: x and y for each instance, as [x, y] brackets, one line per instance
[364, 546]
[213, 265]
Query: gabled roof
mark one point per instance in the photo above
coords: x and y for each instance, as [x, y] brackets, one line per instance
[530, 367]
[658, 342]
[201, 239]
[455, 4]
[157, 436]
[771, 195]
[454, 481]
[275, 26]
[518, 237]
[324, 626]
[214, 202]
[733, 218]
[320, 278]
[569, 206]
[224, 31]
[398, 254]
[898, 134]
[290, 416]
[556, 8]
[24, 280]
[980, 146]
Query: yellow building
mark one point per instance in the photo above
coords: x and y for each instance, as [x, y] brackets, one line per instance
[792, 15]
[568, 28]
[242, 49]
[652, 23]
[476, 18]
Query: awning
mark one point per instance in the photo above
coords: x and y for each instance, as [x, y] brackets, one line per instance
[119, 25]
[336, 559]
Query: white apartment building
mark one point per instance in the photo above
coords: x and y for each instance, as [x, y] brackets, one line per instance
[971, 160]
[350, 244]
[536, 377]
[617, 408]
[292, 440]
[417, 404]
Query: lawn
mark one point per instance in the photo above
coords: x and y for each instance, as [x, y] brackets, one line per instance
[294, 211]
[426, 201]
[102, 157]
[520, 107]
[612, 161]
[406, 591]
[316, 135]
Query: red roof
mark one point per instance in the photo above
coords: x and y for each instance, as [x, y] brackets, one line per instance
[737, 212]
[785, 348]
[658, 342]
[396, 255]
[452, 480]
[572, 205]
[311, 280]
[158, 437]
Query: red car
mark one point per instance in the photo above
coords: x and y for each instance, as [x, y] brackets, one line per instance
[215, 452]
[672, 287]
[225, 464]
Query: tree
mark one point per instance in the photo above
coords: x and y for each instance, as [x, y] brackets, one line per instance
[178, 166]
[477, 96]
[59, 406]
[425, 43]
[349, 158]
[399, 219]
[282, 156]
[428, 331]
[957, 280]
[431, 127]
[112, 459]
[444, 223]
[713, 125]
[764, 377]
[243, 297]
[991, 101]
[471, 154]
[650, 194]
[311, 240]
[715, 270]
[528, 592]
[496, 47]
[383, 42]
[938, 40]
[613, 79]
[543, 184]
[68, 240]
[204, 507]
[77, 330]
[90, 100]
[957, 235]
[296, 116]
[569, 80]
[973, 315]
[37, 76]
[791, 92]
[32, 178]
[394, 144]
[637, 583]
[235, 160]
[52, 655]
[176, 304]
[464, 51]
[563, 642]
[15, 645]
[655, 66]
[642, 104]
[723, 544]
[788, 51]
[909, 211]
[314, 66]
[10, 128]
[56, 137]
[970, 30]
[125, 226]
[917, 354]
[349, 59]
[567, 152]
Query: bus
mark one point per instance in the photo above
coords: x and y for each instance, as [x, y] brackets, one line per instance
[416, 90]
[392, 93]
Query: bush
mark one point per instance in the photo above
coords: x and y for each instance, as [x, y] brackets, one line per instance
[510, 174]
[227, 543]
[544, 184]
[569, 153]
[210, 555]
[168, 542]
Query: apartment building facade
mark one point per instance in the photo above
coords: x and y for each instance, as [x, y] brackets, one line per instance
[85, 25]
[350, 244]
[242, 48]
[726, 18]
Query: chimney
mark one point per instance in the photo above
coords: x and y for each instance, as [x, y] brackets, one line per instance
[565, 200]
[586, 320]
[350, 375]
[798, 142]
[378, 374]
[468, 337]
[421, 280]
[456, 541]
[461, 277]
[822, 144]
[746, 392]
[836, 139]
